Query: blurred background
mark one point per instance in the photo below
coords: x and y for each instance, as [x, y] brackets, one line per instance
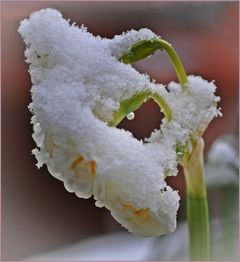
[38, 214]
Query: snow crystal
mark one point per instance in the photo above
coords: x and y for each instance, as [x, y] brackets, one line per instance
[122, 43]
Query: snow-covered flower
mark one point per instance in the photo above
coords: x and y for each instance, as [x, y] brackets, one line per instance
[79, 85]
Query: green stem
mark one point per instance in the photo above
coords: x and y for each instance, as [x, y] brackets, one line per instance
[133, 103]
[197, 206]
[177, 64]
[137, 52]
[146, 48]
[197, 212]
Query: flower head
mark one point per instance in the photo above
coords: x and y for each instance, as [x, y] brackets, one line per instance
[78, 86]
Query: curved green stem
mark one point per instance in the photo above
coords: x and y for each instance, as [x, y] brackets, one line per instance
[140, 51]
[177, 64]
[197, 206]
[133, 103]
[146, 48]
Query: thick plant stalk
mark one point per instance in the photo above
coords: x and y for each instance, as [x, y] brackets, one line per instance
[197, 205]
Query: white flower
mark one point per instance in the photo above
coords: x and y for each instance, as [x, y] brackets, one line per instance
[78, 83]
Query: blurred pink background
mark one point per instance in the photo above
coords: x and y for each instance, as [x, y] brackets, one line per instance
[38, 214]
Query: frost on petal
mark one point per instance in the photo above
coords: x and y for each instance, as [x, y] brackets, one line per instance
[122, 43]
[78, 83]
[192, 111]
[156, 218]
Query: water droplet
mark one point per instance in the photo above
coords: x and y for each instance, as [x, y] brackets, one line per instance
[130, 116]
